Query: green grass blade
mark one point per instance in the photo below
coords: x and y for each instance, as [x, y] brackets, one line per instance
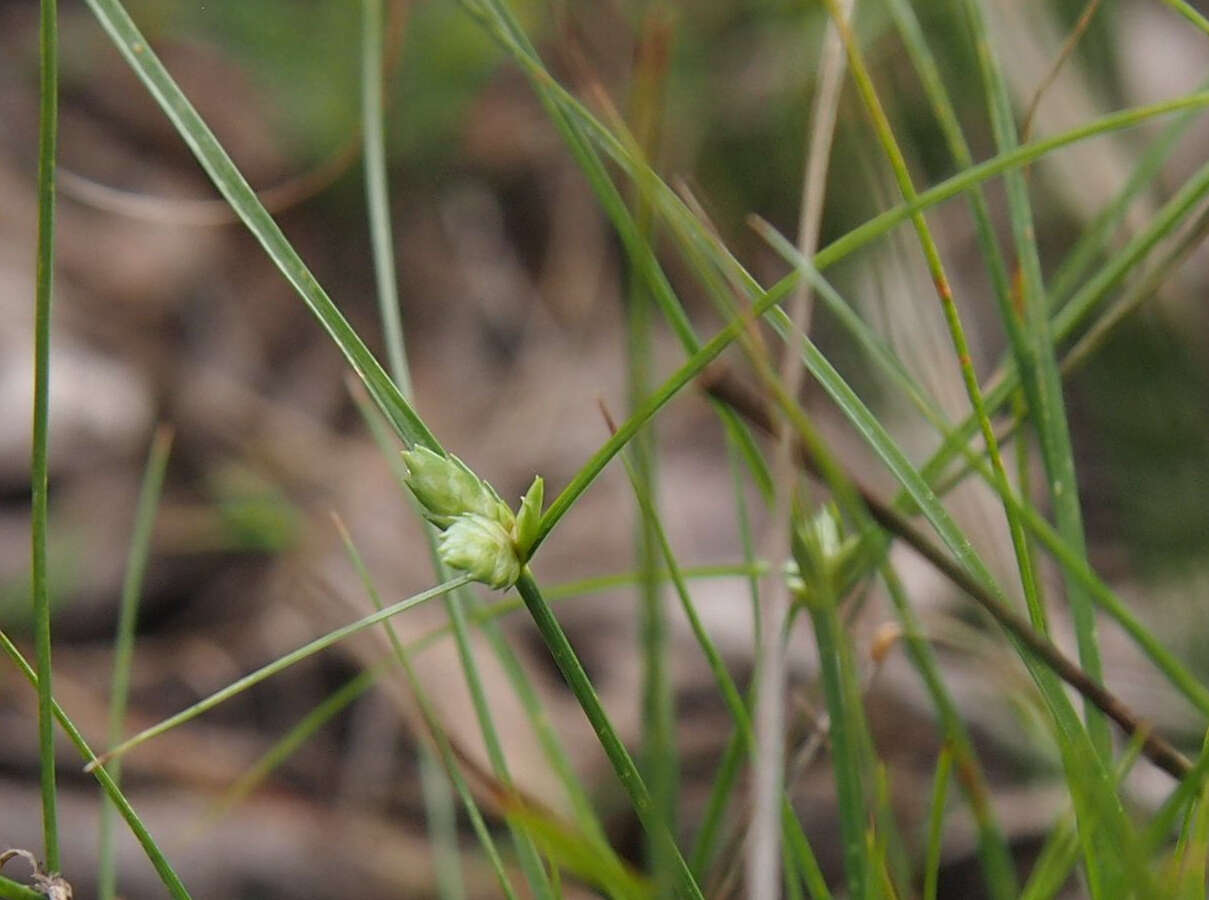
[961, 348]
[623, 765]
[1035, 352]
[289, 743]
[658, 753]
[359, 684]
[797, 847]
[725, 777]
[123, 649]
[654, 402]
[1061, 851]
[682, 221]
[582, 857]
[377, 193]
[530, 863]
[279, 665]
[1086, 774]
[172, 882]
[1091, 246]
[14, 890]
[442, 824]
[48, 135]
[847, 759]
[936, 822]
[1189, 13]
[235, 189]
[1158, 831]
[993, 850]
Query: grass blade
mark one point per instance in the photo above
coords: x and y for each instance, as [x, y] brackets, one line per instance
[234, 187]
[172, 882]
[1029, 328]
[436, 732]
[377, 194]
[14, 890]
[48, 134]
[277, 665]
[936, 821]
[627, 773]
[123, 649]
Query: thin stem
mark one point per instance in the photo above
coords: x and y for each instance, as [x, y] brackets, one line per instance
[277, 665]
[48, 130]
[763, 845]
[436, 731]
[377, 193]
[835, 671]
[658, 757]
[936, 821]
[171, 880]
[797, 846]
[944, 292]
[1033, 347]
[234, 187]
[123, 649]
[623, 765]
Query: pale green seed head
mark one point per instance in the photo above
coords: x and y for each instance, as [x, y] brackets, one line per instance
[529, 517]
[825, 561]
[446, 488]
[483, 549]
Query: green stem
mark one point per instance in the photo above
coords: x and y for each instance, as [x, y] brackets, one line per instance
[171, 880]
[48, 125]
[1034, 349]
[623, 765]
[376, 193]
[14, 890]
[846, 752]
[437, 732]
[936, 821]
[123, 650]
[278, 665]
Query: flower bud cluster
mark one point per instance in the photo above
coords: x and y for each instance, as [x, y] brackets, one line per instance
[480, 535]
[825, 562]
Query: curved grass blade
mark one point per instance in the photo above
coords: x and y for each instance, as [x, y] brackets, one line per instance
[232, 185]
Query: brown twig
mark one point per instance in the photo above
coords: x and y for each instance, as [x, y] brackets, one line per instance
[720, 384]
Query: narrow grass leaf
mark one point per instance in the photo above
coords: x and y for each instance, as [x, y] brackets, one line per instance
[163, 868]
[377, 192]
[123, 649]
[1032, 340]
[232, 185]
[278, 665]
[580, 855]
[936, 823]
[623, 765]
[48, 136]
[14, 890]
[530, 862]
